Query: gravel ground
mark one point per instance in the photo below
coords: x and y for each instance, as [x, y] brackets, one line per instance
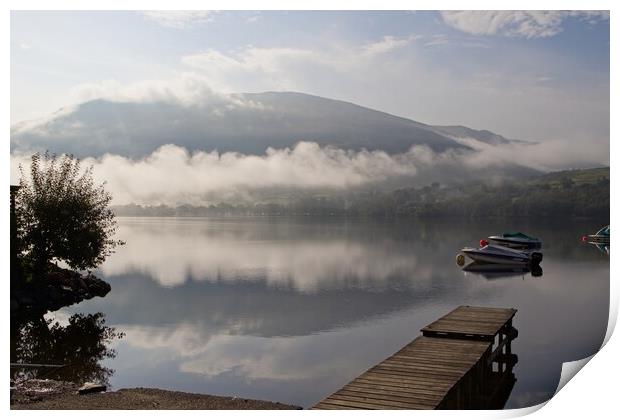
[54, 395]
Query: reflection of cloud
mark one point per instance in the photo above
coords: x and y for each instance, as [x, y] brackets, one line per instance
[173, 250]
[184, 339]
[529, 399]
[262, 358]
[253, 358]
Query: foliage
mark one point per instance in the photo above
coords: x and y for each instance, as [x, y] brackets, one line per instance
[81, 344]
[62, 216]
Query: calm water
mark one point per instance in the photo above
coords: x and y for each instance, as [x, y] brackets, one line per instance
[291, 310]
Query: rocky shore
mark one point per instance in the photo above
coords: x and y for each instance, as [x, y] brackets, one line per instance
[58, 395]
[60, 287]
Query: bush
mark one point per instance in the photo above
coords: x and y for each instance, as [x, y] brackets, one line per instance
[62, 216]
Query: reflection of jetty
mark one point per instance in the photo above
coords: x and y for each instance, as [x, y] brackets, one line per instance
[462, 361]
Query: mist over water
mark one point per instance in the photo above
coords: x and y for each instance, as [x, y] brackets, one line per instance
[172, 175]
[291, 309]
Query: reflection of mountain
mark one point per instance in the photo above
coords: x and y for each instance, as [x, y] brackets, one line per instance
[175, 250]
[247, 123]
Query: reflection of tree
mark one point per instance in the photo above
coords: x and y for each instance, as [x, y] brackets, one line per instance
[81, 345]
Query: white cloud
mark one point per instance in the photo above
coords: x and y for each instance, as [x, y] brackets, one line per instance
[388, 43]
[307, 165]
[164, 176]
[187, 88]
[254, 18]
[526, 24]
[180, 19]
[260, 69]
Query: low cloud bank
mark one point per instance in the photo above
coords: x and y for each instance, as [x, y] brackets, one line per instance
[171, 175]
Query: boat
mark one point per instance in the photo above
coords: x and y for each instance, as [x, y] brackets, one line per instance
[516, 240]
[497, 254]
[600, 237]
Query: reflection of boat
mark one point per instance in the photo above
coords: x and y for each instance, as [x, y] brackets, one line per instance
[600, 237]
[493, 271]
[604, 248]
[496, 254]
[516, 240]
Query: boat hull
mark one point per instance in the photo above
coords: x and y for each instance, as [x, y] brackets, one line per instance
[485, 257]
[598, 239]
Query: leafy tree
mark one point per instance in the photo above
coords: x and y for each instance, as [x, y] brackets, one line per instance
[63, 216]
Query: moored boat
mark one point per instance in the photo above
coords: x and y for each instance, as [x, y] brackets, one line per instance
[600, 237]
[497, 254]
[516, 240]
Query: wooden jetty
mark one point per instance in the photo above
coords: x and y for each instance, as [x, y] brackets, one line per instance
[462, 361]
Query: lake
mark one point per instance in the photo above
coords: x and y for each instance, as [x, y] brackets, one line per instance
[291, 309]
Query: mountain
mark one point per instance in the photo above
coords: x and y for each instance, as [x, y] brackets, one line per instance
[484, 136]
[247, 123]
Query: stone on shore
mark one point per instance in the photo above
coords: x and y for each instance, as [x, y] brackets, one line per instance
[91, 388]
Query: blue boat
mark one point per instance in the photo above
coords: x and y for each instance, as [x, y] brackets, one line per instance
[516, 240]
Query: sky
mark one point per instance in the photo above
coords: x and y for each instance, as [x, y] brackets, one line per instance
[539, 76]
[529, 75]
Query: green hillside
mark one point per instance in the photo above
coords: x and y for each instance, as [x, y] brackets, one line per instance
[577, 177]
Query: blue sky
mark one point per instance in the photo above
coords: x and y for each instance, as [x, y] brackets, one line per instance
[535, 76]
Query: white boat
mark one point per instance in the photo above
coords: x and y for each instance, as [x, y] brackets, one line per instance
[516, 240]
[497, 254]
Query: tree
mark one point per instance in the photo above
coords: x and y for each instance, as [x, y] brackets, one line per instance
[63, 216]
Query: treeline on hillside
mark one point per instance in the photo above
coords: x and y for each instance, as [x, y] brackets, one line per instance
[533, 199]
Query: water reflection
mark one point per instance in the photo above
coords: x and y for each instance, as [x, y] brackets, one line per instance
[290, 310]
[81, 345]
[309, 260]
[603, 248]
[500, 271]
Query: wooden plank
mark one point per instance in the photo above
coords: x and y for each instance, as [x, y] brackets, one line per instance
[422, 373]
[412, 357]
[405, 371]
[330, 406]
[439, 357]
[358, 405]
[418, 388]
[455, 345]
[389, 397]
[409, 380]
[378, 402]
[424, 367]
[466, 327]
[393, 391]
